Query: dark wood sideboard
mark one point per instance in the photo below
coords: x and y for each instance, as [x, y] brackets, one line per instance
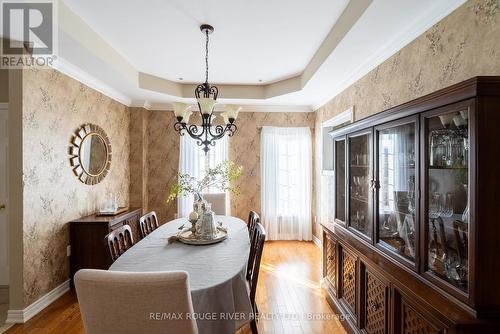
[414, 246]
[88, 247]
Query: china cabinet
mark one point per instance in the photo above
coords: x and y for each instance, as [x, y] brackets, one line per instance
[414, 246]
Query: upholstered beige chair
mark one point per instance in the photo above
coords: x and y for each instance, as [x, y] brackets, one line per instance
[129, 302]
[219, 203]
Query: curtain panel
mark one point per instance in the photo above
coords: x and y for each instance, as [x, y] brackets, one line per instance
[193, 161]
[286, 182]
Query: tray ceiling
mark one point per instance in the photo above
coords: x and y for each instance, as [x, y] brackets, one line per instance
[289, 54]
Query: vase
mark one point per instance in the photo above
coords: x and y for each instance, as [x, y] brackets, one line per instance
[199, 204]
[208, 229]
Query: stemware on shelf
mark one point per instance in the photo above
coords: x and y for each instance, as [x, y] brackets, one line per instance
[448, 177]
[435, 205]
[447, 208]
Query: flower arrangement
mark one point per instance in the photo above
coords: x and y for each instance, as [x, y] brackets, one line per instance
[220, 177]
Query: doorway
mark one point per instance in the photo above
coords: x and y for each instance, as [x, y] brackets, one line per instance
[4, 228]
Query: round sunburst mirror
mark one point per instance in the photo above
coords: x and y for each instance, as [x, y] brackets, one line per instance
[90, 153]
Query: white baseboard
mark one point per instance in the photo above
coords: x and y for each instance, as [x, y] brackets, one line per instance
[21, 316]
[5, 327]
[317, 242]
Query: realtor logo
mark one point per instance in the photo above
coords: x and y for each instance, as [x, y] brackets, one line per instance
[28, 31]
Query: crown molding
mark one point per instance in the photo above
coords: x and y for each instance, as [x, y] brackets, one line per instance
[80, 75]
[276, 108]
[348, 18]
[140, 104]
[433, 16]
[244, 108]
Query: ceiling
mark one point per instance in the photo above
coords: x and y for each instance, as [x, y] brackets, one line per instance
[265, 55]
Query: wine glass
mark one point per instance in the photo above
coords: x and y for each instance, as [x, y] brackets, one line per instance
[447, 209]
[354, 186]
[435, 205]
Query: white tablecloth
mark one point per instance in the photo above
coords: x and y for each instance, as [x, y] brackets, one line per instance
[216, 272]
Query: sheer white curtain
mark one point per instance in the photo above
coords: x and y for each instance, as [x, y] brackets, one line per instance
[286, 163]
[193, 161]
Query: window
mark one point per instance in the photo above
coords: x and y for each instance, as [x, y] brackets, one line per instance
[193, 161]
[286, 160]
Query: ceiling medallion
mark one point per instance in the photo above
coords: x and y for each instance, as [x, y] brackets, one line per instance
[206, 97]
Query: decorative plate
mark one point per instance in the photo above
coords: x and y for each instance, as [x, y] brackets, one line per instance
[187, 237]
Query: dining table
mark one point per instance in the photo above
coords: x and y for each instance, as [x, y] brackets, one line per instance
[217, 272]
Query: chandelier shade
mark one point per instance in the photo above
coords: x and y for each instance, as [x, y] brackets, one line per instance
[181, 110]
[206, 105]
[232, 111]
[206, 95]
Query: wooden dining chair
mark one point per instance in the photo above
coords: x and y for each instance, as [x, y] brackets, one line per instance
[115, 302]
[148, 223]
[259, 239]
[119, 241]
[253, 220]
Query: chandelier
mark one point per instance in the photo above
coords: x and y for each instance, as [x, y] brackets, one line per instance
[206, 96]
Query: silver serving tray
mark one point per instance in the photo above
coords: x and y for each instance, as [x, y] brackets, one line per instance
[187, 237]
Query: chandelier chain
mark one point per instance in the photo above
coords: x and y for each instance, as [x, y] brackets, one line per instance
[207, 134]
[206, 58]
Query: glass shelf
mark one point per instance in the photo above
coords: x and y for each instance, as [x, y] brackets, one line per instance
[447, 200]
[360, 192]
[449, 168]
[396, 221]
[360, 199]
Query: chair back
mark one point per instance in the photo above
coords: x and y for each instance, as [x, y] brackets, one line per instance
[253, 220]
[258, 245]
[148, 223]
[119, 241]
[114, 302]
[218, 201]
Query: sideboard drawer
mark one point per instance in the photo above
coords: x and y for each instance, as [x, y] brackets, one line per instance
[375, 303]
[409, 319]
[331, 262]
[349, 280]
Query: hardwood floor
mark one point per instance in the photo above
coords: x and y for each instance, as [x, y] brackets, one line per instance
[289, 297]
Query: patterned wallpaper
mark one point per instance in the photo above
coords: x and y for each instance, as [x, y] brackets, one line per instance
[463, 45]
[55, 105]
[244, 149]
[138, 152]
[162, 163]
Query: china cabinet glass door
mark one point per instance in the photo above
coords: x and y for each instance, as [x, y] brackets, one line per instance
[360, 184]
[396, 204]
[340, 203]
[447, 196]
